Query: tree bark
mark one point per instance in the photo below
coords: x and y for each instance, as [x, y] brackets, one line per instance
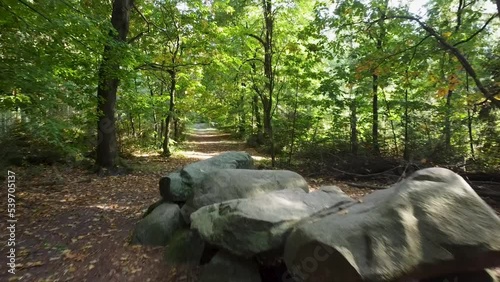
[354, 127]
[406, 152]
[258, 120]
[447, 122]
[170, 115]
[107, 152]
[375, 143]
[294, 120]
[267, 101]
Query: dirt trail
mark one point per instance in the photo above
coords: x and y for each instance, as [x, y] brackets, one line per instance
[75, 226]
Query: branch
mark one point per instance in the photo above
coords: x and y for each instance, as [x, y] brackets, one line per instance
[452, 49]
[155, 66]
[477, 32]
[133, 39]
[35, 10]
[258, 38]
[403, 51]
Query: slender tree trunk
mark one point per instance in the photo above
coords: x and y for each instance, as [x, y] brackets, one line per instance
[107, 152]
[258, 120]
[393, 130]
[139, 125]
[177, 130]
[155, 121]
[170, 115]
[406, 153]
[267, 101]
[375, 141]
[294, 120]
[242, 116]
[131, 120]
[375, 81]
[160, 130]
[354, 127]
[469, 115]
[447, 122]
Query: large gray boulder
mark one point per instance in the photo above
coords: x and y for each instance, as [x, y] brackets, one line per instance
[178, 186]
[251, 226]
[228, 184]
[225, 267]
[158, 226]
[430, 224]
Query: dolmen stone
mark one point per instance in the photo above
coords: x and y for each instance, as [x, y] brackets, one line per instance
[227, 267]
[178, 186]
[246, 227]
[429, 225]
[157, 227]
[228, 184]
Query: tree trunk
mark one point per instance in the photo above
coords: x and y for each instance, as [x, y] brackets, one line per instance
[354, 127]
[170, 115]
[469, 117]
[258, 120]
[242, 116]
[375, 143]
[375, 76]
[131, 120]
[393, 128]
[107, 152]
[294, 120]
[406, 153]
[267, 102]
[177, 129]
[447, 122]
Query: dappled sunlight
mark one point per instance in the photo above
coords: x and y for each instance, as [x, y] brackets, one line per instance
[213, 142]
[109, 206]
[205, 142]
[145, 154]
[197, 155]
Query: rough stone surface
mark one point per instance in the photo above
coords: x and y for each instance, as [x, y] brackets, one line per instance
[428, 225]
[225, 267]
[228, 184]
[250, 226]
[178, 186]
[185, 248]
[158, 226]
[484, 275]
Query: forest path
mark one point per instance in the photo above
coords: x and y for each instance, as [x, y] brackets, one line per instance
[203, 142]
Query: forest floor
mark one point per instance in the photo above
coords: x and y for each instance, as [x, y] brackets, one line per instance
[73, 225]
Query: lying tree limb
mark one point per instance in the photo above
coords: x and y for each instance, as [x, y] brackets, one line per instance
[366, 175]
[363, 185]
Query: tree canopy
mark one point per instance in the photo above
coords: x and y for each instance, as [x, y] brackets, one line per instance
[98, 79]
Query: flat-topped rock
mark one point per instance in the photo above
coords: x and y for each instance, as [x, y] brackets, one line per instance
[228, 184]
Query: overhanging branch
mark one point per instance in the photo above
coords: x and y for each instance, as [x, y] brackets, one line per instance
[453, 50]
